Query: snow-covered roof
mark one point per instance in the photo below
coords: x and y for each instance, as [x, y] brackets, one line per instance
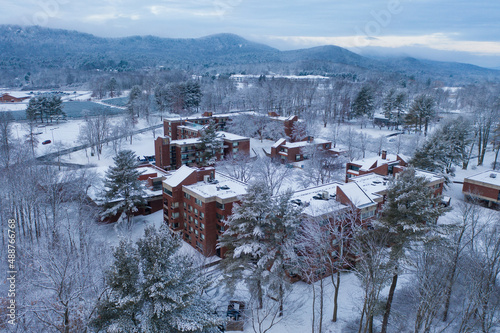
[319, 207]
[305, 143]
[357, 195]
[231, 136]
[486, 178]
[221, 135]
[372, 184]
[431, 177]
[149, 169]
[278, 143]
[179, 175]
[225, 188]
[366, 163]
[16, 94]
[181, 142]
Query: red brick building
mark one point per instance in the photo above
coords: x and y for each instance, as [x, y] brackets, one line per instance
[172, 154]
[483, 186]
[289, 152]
[196, 201]
[381, 165]
[8, 98]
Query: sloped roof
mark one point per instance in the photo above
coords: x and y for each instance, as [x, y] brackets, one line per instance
[179, 176]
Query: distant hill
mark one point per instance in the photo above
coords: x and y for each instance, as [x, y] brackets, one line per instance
[34, 48]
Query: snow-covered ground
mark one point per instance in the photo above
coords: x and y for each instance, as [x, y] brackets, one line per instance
[350, 298]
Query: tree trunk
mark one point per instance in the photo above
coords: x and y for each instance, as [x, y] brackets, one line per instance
[313, 309]
[259, 295]
[496, 158]
[388, 305]
[465, 164]
[336, 297]
[281, 300]
[321, 305]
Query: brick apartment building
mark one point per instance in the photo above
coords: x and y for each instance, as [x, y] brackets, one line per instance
[196, 201]
[172, 154]
[382, 165]
[483, 186]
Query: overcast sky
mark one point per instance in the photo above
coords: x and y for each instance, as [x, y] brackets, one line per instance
[454, 30]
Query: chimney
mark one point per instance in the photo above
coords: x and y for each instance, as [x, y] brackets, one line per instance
[384, 154]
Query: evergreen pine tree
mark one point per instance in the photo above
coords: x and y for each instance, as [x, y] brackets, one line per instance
[409, 214]
[422, 110]
[34, 109]
[260, 240]
[124, 192]
[210, 144]
[363, 104]
[155, 289]
[118, 311]
[247, 230]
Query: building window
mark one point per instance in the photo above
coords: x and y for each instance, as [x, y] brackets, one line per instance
[220, 206]
[297, 157]
[175, 204]
[202, 236]
[195, 222]
[198, 201]
[235, 144]
[368, 214]
[184, 204]
[202, 215]
[196, 232]
[175, 215]
[168, 192]
[196, 211]
[199, 245]
[190, 208]
[187, 195]
[175, 225]
[190, 229]
[185, 215]
[353, 168]
[185, 225]
[190, 219]
[219, 216]
[235, 150]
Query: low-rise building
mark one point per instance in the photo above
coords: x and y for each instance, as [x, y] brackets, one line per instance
[289, 152]
[382, 165]
[13, 97]
[152, 176]
[483, 186]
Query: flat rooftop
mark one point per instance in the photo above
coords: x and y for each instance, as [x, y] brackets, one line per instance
[224, 187]
[372, 184]
[319, 207]
[305, 143]
[486, 177]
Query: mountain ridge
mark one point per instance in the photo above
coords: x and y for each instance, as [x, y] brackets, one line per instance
[25, 47]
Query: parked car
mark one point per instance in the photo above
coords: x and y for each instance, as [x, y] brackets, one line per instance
[46, 142]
